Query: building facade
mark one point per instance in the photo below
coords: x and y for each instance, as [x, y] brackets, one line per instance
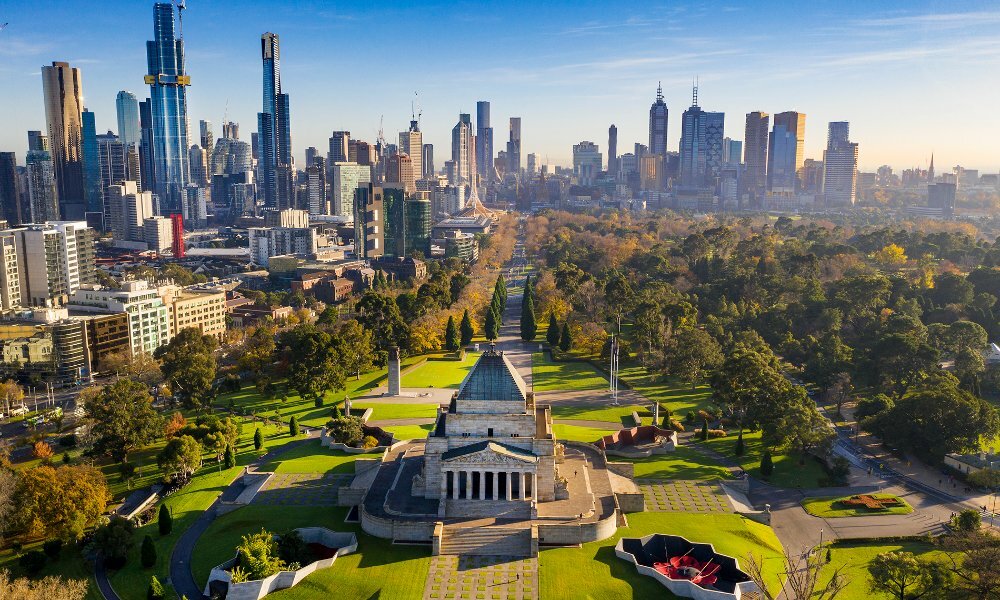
[840, 166]
[658, 124]
[785, 153]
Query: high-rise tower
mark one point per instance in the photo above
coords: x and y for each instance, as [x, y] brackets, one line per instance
[840, 166]
[63, 91]
[462, 147]
[613, 151]
[785, 153]
[701, 145]
[514, 147]
[658, 124]
[484, 142]
[411, 143]
[273, 130]
[127, 107]
[168, 83]
[755, 156]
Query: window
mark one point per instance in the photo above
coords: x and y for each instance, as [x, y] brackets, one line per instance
[465, 435]
[489, 432]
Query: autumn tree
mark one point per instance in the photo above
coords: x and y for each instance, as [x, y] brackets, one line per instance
[122, 419]
[47, 588]
[174, 424]
[61, 502]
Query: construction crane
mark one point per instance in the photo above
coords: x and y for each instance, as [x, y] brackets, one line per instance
[181, 5]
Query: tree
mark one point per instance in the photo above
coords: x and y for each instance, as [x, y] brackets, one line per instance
[114, 540]
[8, 508]
[258, 439]
[181, 457]
[566, 338]
[155, 590]
[174, 426]
[257, 353]
[740, 446]
[802, 577]
[974, 559]
[147, 552]
[42, 451]
[749, 386]
[355, 348]
[529, 328]
[293, 426]
[691, 353]
[165, 520]
[314, 364]
[451, 335]
[890, 256]
[968, 521]
[703, 435]
[188, 364]
[985, 478]
[903, 576]
[61, 502]
[766, 465]
[552, 335]
[12, 395]
[122, 419]
[48, 588]
[346, 430]
[492, 327]
[969, 365]
[467, 329]
[380, 314]
[258, 554]
[229, 458]
[214, 434]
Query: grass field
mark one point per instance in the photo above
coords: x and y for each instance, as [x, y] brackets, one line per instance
[594, 572]
[618, 415]
[581, 434]
[440, 372]
[683, 463]
[854, 559]
[831, 508]
[381, 412]
[575, 375]
[410, 432]
[787, 470]
[313, 458]
[674, 395]
[378, 570]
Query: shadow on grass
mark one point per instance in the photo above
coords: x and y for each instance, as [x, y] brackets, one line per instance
[644, 587]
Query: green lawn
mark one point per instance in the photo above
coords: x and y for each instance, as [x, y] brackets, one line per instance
[581, 434]
[440, 372]
[574, 375]
[381, 412]
[312, 458]
[674, 395]
[830, 507]
[617, 415]
[378, 570]
[594, 572]
[855, 558]
[683, 463]
[410, 432]
[787, 470]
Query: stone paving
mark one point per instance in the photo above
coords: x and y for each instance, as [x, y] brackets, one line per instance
[683, 496]
[302, 489]
[482, 578]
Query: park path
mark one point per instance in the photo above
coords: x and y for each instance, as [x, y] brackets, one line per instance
[181, 577]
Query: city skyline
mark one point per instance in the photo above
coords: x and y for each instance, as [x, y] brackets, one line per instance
[568, 78]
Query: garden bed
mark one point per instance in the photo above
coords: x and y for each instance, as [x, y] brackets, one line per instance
[862, 505]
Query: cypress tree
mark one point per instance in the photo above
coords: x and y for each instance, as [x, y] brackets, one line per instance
[501, 289]
[704, 431]
[552, 335]
[529, 328]
[293, 427]
[229, 458]
[258, 439]
[451, 335]
[148, 552]
[740, 447]
[766, 465]
[566, 339]
[492, 328]
[166, 520]
[466, 328]
[155, 591]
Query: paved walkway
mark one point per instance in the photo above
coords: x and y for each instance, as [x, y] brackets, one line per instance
[683, 496]
[302, 489]
[482, 578]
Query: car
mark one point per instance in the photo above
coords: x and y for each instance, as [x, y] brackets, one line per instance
[18, 411]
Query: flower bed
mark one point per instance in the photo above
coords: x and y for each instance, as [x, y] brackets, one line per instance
[871, 502]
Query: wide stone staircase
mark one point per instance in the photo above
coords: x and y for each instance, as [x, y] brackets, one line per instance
[486, 540]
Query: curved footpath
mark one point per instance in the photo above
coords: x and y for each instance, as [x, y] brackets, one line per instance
[181, 577]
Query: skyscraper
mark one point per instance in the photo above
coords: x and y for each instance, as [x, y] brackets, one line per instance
[484, 142]
[586, 162]
[207, 138]
[63, 91]
[399, 170]
[10, 195]
[755, 156]
[462, 147]
[168, 106]
[784, 153]
[701, 146]
[428, 160]
[43, 195]
[94, 200]
[612, 151]
[658, 124]
[514, 147]
[339, 141]
[732, 151]
[274, 130]
[127, 108]
[199, 164]
[840, 166]
[147, 163]
[112, 159]
[411, 143]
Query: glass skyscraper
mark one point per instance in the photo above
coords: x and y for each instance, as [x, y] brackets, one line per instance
[128, 118]
[701, 146]
[273, 128]
[168, 100]
[63, 91]
[658, 125]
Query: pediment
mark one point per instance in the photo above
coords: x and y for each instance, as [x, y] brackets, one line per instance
[491, 455]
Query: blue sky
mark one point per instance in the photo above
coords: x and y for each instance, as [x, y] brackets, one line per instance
[911, 77]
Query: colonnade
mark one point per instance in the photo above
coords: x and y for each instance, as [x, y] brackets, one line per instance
[477, 480]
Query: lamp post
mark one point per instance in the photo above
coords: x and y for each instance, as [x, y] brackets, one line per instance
[821, 540]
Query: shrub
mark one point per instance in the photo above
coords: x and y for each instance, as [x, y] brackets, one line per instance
[703, 435]
[716, 433]
[677, 426]
[33, 561]
[229, 458]
[346, 430]
[147, 553]
[258, 553]
[690, 417]
[967, 521]
[114, 540]
[318, 402]
[704, 415]
[16, 548]
[155, 591]
[766, 465]
[166, 520]
[68, 441]
[52, 548]
[258, 439]
[740, 446]
[293, 427]
[369, 442]
[238, 575]
[292, 548]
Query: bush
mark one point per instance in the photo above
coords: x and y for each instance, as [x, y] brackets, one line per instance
[114, 540]
[690, 417]
[766, 465]
[870, 407]
[52, 548]
[369, 442]
[293, 427]
[677, 426]
[703, 435]
[229, 458]
[258, 554]
[33, 562]
[166, 520]
[68, 441]
[292, 548]
[318, 402]
[704, 415]
[147, 553]
[258, 439]
[346, 430]
[967, 521]
[716, 433]
[16, 548]
[155, 591]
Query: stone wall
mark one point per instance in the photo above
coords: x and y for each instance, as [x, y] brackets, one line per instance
[392, 529]
[577, 533]
[625, 469]
[503, 424]
[631, 502]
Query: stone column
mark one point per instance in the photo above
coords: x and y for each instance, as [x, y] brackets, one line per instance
[509, 479]
[534, 486]
[524, 487]
[482, 484]
[444, 484]
[394, 379]
[455, 480]
[496, 484]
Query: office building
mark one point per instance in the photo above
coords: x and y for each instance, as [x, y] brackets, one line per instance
[168, 83]
[267, 242]
[347, 177]
[194, 207]
[427, 161]
[586, 163]
[612, 153]
[10, 274]
[273, 131]
[199, 164]
[43, 195]
[157, 233]
[207, 138]
[785, 153]
[463, 151]
[394, 219]
[339, 142]
[92, 187]
[10, 190]
[368, 222]
[732, 151]
[755, 144]
[127, 109]
[532, 163]
[148, 316]
[840, 166]
[316, 187]
[128, 210]
[194, 308]
[812, 176]
[411, 144]
[484, 142]
[514, 147]
[658, 124]
[701, 146]
[942, 196]
[147, 163]
[63, 91]
[399, 170]
[651, 174]
[418, 226]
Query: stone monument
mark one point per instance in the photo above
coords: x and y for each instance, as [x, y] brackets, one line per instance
[394, 371]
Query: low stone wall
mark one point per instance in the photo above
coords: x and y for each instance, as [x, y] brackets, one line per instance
[625, 469]
[345, 543]
[348, 496]
[577, 533]
[391, 529]
[631, 502]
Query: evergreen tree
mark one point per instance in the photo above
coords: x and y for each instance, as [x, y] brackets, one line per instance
[155, 591]
[451, 335]
[258, 439]
[766, 465]
[529, 292]
[166, 520]
[529, 328]
[740, 447]
[704, 431]
[500, 289]
[566, 339]
[552, 335]
[229, 458]
[293, 426]
[492, 328]
[466, 328]
[148, 552]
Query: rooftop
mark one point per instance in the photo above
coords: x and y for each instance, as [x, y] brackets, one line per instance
[493, 377]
